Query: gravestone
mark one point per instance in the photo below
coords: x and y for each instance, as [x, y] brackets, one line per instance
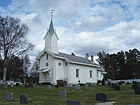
[113, 85]
[101, 97]
[9, 96]
[56, 86]
[120, 83]
[5, 86]
[69, 85]
[49, 87]
[77, 87]
[138, 84]
[134, 104]
[63, 93]
[103, 82]
[73, 103]
[86, 86]
[24, 99]
[94, 84]
[17, 84]
[137, 90]
[117, 87]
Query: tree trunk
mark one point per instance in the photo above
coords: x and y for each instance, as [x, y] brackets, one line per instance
[24, 81]
[4, 73]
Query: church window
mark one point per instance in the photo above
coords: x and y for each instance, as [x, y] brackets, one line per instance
[59, 64]
[66, 64]
[77, 72]
[90, 73]
[47, 56]
[47, 64]
[97, 74]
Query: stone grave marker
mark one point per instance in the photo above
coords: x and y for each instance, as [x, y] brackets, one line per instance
[69, 85]
[103, 82]
[9, 96]
[101, 97]
[49, 87]
[63, 93]
[5, 86]
[137, 90]
[117, 87]
[86, 86]
[120, 83]
[73, 103]
[77, 87]
[24, 99]
[134, 104]
[17, 84]
[56, 86]
[113, 85]
[94, 84]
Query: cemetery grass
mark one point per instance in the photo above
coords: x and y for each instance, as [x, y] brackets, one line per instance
[44, 96]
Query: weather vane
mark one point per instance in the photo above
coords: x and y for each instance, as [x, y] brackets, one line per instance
[52, 10]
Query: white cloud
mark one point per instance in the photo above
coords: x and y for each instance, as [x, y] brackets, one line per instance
[82, 25]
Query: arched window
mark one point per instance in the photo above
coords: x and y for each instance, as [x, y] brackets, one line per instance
[77, 72]
[59, 64]
[90, 73]
[47, 64]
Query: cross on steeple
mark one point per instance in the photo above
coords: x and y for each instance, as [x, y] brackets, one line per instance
[52, 13]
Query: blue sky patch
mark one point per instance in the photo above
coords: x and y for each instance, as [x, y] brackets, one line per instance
[5, 3]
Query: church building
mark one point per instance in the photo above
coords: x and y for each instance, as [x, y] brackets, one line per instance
[55, 65]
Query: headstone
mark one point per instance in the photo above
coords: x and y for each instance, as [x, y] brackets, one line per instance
[94, 84]
[77, 87]
[56, 86]
[63, 93]
[101, 97]
[5, 86]
[120, 83]
[49, 87]
[69, 85]
[9, 96]
[86, 86]
[137, 84]
[73, 103]
[24, 99]
[17, 84]
[103, 82]
[113, 85]
[137, 90]
[134, 104]
[117, 87]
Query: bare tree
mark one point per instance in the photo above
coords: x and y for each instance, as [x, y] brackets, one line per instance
[25, 66]
[12, 40]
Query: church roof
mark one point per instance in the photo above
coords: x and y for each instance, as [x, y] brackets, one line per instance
[51, 28]
[75, 58]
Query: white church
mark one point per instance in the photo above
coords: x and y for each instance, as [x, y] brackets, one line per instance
[55, 65]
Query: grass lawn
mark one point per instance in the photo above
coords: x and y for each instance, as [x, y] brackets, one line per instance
[43, 96]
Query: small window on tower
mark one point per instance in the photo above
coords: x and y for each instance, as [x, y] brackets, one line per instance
[59, 64]
[47, 64]
[90, 74]
[66, 64]
[47, 56]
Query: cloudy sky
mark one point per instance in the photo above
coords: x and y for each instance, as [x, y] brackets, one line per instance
[83, 26]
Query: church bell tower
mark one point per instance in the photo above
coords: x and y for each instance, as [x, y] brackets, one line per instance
[51, 38]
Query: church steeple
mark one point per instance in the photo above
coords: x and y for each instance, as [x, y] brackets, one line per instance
[51, 28]
[51, 38]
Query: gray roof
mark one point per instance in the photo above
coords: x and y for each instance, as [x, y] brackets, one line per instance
[75, 58]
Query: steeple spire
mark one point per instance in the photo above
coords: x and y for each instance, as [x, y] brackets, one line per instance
[51, 28]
